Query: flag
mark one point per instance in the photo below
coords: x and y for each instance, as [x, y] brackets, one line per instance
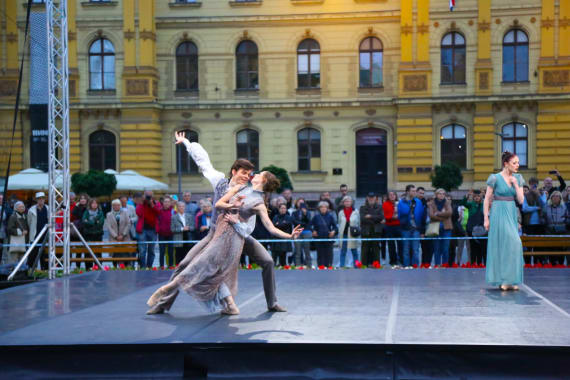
[451, 5]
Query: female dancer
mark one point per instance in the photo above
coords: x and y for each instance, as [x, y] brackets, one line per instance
[504, 248]
[212, 276]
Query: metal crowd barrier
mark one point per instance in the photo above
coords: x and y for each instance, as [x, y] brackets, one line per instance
[290, 240]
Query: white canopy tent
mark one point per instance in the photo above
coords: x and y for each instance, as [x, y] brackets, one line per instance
[131, 180]
[30, 179]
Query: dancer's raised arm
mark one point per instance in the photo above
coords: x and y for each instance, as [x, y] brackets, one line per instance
[261, 211]
[201, 158]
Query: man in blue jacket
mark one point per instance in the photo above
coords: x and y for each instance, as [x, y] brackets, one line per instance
[412, 215]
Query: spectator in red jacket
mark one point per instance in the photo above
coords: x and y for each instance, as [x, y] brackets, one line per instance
[165, 232]
[390, 208]
[147, 212]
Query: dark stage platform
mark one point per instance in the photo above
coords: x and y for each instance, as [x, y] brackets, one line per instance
[384, 324]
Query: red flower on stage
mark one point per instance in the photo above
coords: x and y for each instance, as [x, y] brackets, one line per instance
[321, 267]
[358, 264]
[445, 265]
[330, 268]
[80, 271]
[465, 265]
[248, 266]
[105, 268]
[287, 267]
[122, 266]
[376, 264]
[95, 267]
[528, 266]
[454, 265]
[301, 267]
[154, 268]
[415, 266]
[171, 267]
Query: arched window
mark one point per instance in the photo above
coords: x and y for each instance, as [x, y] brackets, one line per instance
[309, 149]
[453, 58]
[102, 65]
[184, 163]
[187, 66]
[102, 151]
[454, 145]
[247, 67]
[515, 56]
[515, 139]
[371, 62]
[309, 64]
[248, 146]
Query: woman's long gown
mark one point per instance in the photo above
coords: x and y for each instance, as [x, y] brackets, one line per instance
[212, 274]
[504, 248]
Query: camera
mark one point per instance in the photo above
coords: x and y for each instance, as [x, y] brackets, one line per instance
[552, 172]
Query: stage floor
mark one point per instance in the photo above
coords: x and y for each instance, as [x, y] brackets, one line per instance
[391, 307]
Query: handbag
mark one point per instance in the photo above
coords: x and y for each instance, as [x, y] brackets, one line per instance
[479, 231]
[17, 244]
[433, 229]
[355, 231]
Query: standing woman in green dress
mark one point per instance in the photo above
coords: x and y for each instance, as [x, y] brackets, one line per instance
[504, 248]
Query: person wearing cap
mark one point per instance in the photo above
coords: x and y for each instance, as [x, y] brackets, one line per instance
[38, 217]
[371, 222]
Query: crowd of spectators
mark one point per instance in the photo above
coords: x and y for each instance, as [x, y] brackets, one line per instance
[411, 215]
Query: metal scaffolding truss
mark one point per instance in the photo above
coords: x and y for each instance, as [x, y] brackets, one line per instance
[58, 127]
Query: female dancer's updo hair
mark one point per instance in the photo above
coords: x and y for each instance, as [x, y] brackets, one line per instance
[507, 156]
[271, 182]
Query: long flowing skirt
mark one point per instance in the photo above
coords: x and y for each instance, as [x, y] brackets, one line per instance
[212, 274]
[504, 248]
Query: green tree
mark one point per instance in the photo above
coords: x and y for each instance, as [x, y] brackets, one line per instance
[447, 176]
[281, 175]
[95, 183]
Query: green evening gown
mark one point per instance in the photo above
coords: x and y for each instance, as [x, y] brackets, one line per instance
[504, 248]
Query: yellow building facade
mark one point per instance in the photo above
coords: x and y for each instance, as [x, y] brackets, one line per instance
[293, 83]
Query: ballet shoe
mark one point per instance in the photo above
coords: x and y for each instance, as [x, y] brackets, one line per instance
[230, 309]
[156, 296]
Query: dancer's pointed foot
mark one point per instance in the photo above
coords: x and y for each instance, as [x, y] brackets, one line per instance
[156, 296]
[277, 309]
[231, 308]
[156, 309]
[515, 287]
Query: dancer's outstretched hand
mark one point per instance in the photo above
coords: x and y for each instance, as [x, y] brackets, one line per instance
[180, 137]
[297, 231]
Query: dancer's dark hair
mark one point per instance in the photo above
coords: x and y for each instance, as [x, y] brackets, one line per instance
[241, 163]
[507, 156]
[271, 182]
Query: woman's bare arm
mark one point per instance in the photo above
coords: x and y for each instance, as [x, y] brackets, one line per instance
[488, 195]
[224, 202]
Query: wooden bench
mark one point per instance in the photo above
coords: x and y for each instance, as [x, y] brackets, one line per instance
[537, 242]
[98, 250]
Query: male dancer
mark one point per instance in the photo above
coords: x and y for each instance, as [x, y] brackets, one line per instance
[239, 175]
